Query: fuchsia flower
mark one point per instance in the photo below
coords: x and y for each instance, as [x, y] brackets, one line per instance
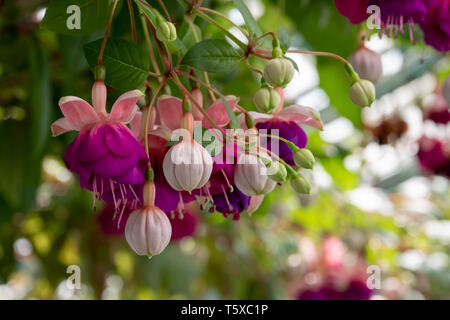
[434, 155]
[436, 26]
[107, 156]
[396, 13]
[285, 123]
[167, 198]
[187, 166]
[354, 10]
[432, 15]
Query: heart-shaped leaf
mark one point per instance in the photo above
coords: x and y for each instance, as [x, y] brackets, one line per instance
[127, 65]
[212, 55]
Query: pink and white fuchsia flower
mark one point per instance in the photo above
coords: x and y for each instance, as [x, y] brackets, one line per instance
[148, 229]
[251, 175]
[108, 157]
[187, 166]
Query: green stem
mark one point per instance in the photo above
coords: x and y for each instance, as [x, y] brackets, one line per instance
[204, 16]
[147, 116]
[225, 18]
[197, 39]
[149, 41]
[108, 29]
[289, 143]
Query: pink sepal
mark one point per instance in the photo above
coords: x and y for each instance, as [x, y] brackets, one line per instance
[301, 115]
[61, 126]
[170, 111]
[125, 107]
[198, 97]
[78, 112]
[135, 123]
[218, 113]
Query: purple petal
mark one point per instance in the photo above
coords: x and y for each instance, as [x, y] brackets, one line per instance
[93, 146]
[120, 140]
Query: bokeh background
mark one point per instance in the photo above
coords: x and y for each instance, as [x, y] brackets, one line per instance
[372, 204]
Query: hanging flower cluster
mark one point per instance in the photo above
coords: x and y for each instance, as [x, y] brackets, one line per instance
[147, 164]
[432, 16]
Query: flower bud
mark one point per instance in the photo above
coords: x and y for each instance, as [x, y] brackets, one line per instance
[304, 158]
[148, 231]
[446, 90]
[187, 166]
[362, 93]
[251, 176]
[300, 184]
[267, 100]
[276, 171]
[367, 64]
[279, 72]
[166, 31]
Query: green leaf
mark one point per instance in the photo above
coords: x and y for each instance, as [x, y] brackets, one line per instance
[284, 38]
[127, 65]
[94, 15]
[189, 37]
[149, 13]
[233, 120]
[293, 63]
[212, 55]
[40, 101]
[248, 18]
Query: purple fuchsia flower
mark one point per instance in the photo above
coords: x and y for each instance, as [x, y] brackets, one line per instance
[354, 10]
[396, 13]
[285, 124]
[106, 155]
[434, 156]
[436, 27]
